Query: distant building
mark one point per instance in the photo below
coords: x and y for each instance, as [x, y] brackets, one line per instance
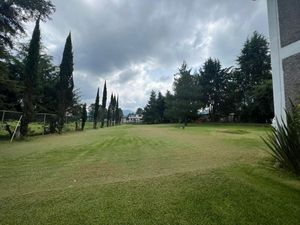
[284, 29]
[133, 118]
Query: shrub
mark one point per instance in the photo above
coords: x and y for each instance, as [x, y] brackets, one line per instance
[284, 142]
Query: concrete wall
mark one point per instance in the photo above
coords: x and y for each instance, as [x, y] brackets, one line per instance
[291, 71]
[289, 21]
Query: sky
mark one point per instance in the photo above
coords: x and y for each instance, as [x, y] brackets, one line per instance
[138, 45]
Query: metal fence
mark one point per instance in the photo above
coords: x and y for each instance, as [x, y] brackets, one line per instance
[39, 125]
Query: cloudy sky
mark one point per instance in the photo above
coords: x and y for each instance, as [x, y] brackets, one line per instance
[137, 45]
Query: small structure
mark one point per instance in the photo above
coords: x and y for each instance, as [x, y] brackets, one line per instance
[284, 29]
[134, 118]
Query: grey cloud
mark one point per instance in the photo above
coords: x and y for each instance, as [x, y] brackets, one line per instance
[111, 36]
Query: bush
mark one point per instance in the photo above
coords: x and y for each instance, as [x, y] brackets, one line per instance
[284, 142]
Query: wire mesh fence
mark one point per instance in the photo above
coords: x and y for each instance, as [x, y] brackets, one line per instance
[41, 124]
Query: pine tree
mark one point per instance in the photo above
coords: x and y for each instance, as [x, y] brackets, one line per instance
[31, 79]
[150, 114]
[160, 107]
[213, 81]
[104, 99]
[96, 112]
[83, 116]
[109, 111]
[170, 111]
[254, 64]
[254, 70]
[66, 83]
[117, 111]
[113, 105]
[186, 94]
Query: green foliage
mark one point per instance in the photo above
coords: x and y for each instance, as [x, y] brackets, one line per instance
[31, 79]
[118, 117]
[83, 116]
[255, 61]
[66, 83]
[110, 111]
[216, 87]
[161, 107]
[284, 141]
[96, 109]
[14, 13]
[139, 111]
[261, 109]
[254, 71]
[150, 114]
[103, 106]
[49, 73]
[11, 70]
[186, 93]
[170, 111]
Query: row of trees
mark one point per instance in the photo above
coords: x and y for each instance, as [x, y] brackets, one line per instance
[29, 80]
[245, 91]
[113, 114]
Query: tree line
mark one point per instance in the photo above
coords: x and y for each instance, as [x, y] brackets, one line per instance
[29, 80]
[244, 92]
[110, 116]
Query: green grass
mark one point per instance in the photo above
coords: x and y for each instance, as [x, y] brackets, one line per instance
[38, 128]
[160, 174]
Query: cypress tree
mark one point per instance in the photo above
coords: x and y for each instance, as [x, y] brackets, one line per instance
[117, 112]
[31, 78]
[109, 111]
[66, 83]
[83, 116]
[96, 112]
[104, 99]
[114, 110]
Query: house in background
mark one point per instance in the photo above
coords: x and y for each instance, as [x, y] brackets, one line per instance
[284, 29]
[133, 118]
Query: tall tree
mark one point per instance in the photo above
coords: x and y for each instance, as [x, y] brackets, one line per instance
[66, 83]
[160, 102]
[214, 87]
[117, 111]
[96, 112]
[13, 16]
[31, 79]
[109, 110]
[104, 100]
[150, 114]
[186, 93]
[254, 70]
[113, 110]
[254, 64]
[170, 111]
[83, 116]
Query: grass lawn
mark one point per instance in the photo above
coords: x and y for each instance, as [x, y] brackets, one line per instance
[205, 174]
